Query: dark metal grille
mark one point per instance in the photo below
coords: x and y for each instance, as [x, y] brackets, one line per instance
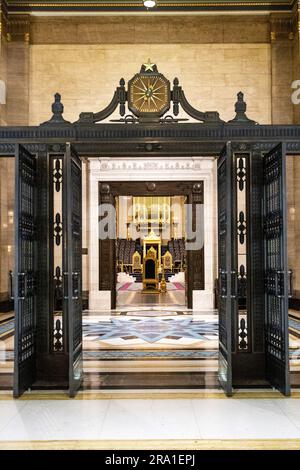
[77, 256]
[227, 236]
[256, 253]
[26, 256]
[72, 221]
[222, 237]
[242, 321]
[57, 246]
[274, 256]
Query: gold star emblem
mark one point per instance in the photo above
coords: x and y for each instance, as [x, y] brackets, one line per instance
[148, 66]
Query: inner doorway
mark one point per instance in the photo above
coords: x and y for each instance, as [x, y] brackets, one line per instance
[163, 236]
[7, 320]
[150, 251]
[154, 339]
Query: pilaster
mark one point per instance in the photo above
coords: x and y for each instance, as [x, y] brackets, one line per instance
[282, 33]
[18, 40]
[296, 57]
[3, 61]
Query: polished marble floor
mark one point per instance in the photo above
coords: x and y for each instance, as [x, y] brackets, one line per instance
[145, 347]
[294, 340]
[148, 419]
[138, 286]
[157, 347]
[7, 324]
[174, 298]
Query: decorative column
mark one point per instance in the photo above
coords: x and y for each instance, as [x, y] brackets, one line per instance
[195, 257]
[18, 41]
[293, 174]
[6, 238]
[107, 251]
[296, 58]
[3, 62]
[281, 41]
[97, 298]
[295, 265]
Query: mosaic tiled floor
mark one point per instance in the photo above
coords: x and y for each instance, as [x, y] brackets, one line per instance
[6, 349]
[151, 348]
[151, 332]
[294, 340]
[150, 340]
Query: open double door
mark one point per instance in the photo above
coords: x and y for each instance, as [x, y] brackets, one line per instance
[275, 274]
[26, 286]
[27, 291]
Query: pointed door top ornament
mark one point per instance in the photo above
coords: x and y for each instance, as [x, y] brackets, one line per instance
[57, 110]
[149, 67]
[240, 110]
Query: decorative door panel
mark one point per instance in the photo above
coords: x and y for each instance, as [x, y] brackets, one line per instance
[195, 278]
[25, 269]
[226, 261]
[72, 264]
[107, 245]
[276, 269]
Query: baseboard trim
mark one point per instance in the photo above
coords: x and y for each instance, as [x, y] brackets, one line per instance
[150, 395]
[160, 444]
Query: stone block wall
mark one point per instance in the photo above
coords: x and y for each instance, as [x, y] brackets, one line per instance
[211, 75]
[214, 57]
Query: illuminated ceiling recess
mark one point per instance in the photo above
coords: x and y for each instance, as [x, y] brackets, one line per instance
[86, 6]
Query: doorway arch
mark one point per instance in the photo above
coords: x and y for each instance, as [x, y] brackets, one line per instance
[162, 138]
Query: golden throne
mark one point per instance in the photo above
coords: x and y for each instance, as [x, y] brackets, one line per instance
[136, 262]
[167, 260]
[150, 272]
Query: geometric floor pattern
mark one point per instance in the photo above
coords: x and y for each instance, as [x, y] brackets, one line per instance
[151, 330]
[150, 354]
[160, 341]
[142, 339]
[294, 339]
[176, 346]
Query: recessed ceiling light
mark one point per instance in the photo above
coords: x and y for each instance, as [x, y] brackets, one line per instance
[149, 3]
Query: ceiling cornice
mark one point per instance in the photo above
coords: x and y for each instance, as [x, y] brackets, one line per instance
[217, 6]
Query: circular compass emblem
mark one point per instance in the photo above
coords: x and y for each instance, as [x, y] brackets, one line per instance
[149, 93]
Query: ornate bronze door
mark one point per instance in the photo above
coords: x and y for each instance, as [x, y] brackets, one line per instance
[25, 269]
[227, 298]
[276, 269]
[72, 264]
